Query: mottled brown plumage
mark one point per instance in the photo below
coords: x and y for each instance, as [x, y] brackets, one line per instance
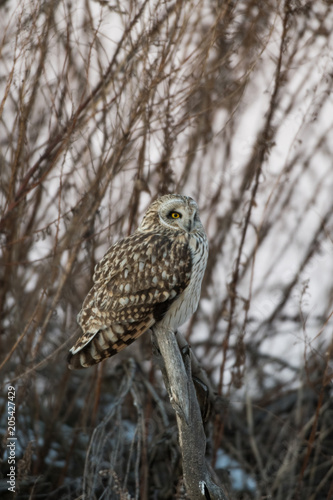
[140, 278]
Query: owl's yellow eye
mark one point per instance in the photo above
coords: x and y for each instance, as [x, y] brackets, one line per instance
[175, 215]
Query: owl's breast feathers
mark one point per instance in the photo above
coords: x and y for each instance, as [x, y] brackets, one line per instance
[135, 284]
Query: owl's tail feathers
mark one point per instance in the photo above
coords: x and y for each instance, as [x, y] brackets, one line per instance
[74, 361]
[96, 350]
[103, 344]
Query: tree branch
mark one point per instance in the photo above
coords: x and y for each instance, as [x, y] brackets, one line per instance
[177, 375]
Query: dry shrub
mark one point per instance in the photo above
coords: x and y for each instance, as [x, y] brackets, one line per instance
[105, 106]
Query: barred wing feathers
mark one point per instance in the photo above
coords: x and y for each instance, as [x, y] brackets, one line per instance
[134, 285]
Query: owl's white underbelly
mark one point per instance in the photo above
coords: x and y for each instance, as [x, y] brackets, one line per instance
[186, 304]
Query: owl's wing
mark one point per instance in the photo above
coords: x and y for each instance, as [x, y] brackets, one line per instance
[134, 285]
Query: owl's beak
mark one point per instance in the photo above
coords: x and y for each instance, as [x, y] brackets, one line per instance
[189, 226]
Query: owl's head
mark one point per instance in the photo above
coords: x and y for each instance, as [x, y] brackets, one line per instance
[172, 211]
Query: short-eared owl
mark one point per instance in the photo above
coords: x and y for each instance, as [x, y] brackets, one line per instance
[153, 276]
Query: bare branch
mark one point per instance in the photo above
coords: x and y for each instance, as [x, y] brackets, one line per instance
[177, 377]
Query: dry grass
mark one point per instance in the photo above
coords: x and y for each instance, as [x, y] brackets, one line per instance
[103, 107]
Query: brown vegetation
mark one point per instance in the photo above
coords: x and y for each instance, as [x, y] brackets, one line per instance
[103, 107]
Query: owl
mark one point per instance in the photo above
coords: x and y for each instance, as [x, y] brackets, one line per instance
[152, 277]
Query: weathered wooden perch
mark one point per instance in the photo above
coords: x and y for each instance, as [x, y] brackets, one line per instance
[177, 375]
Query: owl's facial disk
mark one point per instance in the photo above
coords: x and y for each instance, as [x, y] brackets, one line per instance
[179, 216]
[172, 211]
